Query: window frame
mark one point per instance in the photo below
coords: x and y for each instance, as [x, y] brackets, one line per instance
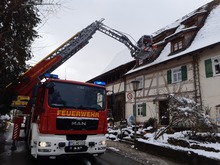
[140, 61]
[141, 80]
[139, 109]
[176, 74]
[214, 64]
[218, 115]
[184, 74]
[177, 45]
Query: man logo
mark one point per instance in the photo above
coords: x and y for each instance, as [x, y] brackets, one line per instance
[78, 123]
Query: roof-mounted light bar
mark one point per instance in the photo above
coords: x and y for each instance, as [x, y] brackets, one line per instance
[102, 83]
[49, 75]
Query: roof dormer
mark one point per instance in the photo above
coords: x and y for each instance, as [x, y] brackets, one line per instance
[181, 39]
[196, 19]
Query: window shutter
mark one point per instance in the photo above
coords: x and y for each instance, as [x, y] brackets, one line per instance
[144, 109]
[169, 78]
[134, 110]
[208, 68]
[184, 72]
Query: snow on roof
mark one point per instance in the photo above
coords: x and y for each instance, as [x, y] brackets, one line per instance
[120, 58]
[206, 36]
[177, 22]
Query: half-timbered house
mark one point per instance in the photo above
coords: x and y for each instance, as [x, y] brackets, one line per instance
[186, 63]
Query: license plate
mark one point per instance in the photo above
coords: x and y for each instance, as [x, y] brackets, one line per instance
[76, 143]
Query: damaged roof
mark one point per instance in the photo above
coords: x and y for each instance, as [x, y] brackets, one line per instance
[207, 35]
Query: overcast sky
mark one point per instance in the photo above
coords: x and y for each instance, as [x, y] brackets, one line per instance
[134, 17]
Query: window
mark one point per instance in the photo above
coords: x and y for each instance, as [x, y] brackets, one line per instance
[177, 74]
[218, 111]
[216, 65]
[218, 115]
[212, 67]
[140, 110]
[76, 96]
[140, 61]
[177, 45]
[141, 80]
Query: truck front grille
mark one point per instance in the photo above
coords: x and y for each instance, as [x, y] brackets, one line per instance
[76, 124]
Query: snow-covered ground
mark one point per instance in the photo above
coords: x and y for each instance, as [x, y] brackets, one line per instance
[4, 121]
[143, 135]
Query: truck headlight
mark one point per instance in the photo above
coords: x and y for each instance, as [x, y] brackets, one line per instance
[44, 144]
[103, 142]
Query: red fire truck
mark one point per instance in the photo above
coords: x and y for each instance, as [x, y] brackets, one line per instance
[65, 117]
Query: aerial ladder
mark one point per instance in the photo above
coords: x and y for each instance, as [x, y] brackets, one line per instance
[25, 83]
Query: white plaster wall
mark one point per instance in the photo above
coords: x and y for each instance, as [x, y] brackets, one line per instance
[155, 84]
[210, 87]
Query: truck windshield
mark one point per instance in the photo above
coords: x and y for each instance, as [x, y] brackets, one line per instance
[77, 96]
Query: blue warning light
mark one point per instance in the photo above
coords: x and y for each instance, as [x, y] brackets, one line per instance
[49, 75]
[102, 83]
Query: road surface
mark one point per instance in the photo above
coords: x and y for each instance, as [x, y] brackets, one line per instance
[20, 156]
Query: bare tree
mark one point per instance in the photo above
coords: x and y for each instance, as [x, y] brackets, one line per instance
[18, 22]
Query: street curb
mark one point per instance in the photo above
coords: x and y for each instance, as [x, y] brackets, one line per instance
[181, 156]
